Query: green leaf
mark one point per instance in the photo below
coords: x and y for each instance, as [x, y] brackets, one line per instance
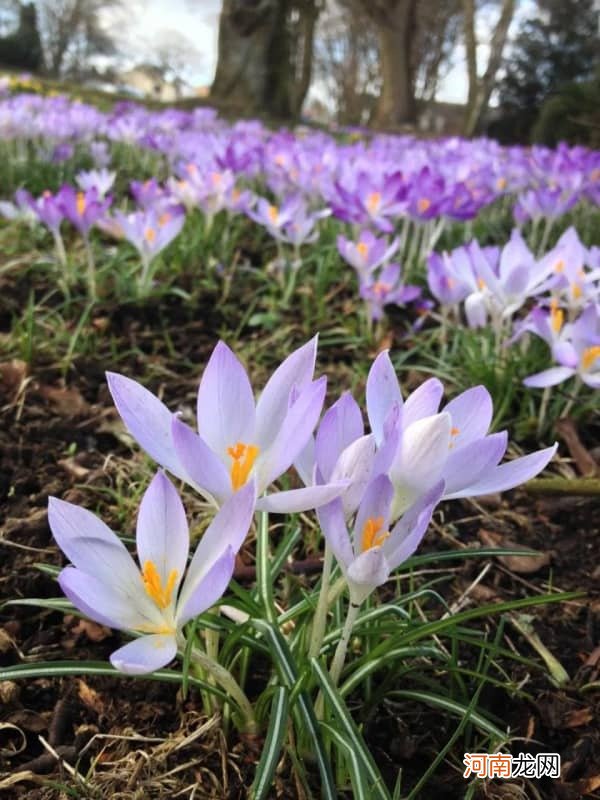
[359, 782]
[57, 669]
[267, 765]
[452, 706]
[377, 787]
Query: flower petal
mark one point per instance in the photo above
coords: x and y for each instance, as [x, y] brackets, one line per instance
[549, 377]
[205, 592]
[296, 500]
[298, 425]
[226, 412]
[355, 465]
[375, 503]
[423, 402]
[369, 570]
[206, 471]
[383, 392]
[147, 420]
[271, 409]
[471, 414]
[162, 535]
[407, 534]
[227, 531]
[105, 603]
[466, 465]
[333, 525]
[508, 475]
[341, 425]
[146, 654]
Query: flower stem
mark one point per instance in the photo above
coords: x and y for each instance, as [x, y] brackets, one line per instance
[91, 268]
[340, 653]
[318, 630]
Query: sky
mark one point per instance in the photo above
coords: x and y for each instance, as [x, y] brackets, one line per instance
[198, 20]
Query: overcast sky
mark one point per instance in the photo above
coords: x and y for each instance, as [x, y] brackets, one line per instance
[198, 20]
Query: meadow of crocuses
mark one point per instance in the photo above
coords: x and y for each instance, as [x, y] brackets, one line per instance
[409, 307]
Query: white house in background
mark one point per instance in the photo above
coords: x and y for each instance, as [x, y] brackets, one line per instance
[147, 81]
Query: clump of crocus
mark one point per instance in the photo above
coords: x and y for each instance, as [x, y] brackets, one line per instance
[385, 289]
[101, 180]
[366, 254]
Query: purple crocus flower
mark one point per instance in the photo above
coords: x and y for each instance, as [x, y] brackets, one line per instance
[369, 553]
[149, 230]
[84, 208]
[367, 253]
[274, 217]
[100, 179]
[418, 446]
[238, 439]
[578, 353]
[153, 600]
[385, 290]
[47, 209]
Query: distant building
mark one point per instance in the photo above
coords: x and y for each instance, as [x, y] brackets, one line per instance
[148, 81]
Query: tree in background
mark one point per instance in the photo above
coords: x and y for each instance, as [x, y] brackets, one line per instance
[21, 49]
[72, 31]
[175, 56]
[265, 55]
[557, 46]
[481, 87]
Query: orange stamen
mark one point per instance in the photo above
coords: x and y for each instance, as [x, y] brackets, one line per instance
[363, 249]
[373, 202]
[557, 316]
[153, 584]
[244, 456]
[164, 218]
[80, 203]
[481, 283]
[150, 235]
[576, 291]
[371, 536]
[423, 204]
[501, 183]
[559, 266]
[273, 213]
[589, 356]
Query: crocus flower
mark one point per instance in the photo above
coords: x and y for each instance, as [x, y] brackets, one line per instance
[418, 446]
[82, 208]
[237, 439]
[386, 289]
[152, 600]
[150, 231]
[578, 354]
[100, 179]
[367, 253]
[275, 217]
[369, 553]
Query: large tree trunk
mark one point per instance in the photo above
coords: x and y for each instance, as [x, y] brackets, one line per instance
[308, 21]
[480, 90]
[396, 24]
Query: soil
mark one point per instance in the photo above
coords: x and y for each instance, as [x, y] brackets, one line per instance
[60, 435]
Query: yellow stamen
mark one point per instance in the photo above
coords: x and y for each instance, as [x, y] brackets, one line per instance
[450, 283]
[279, 160]
[363, 249]
[273, 213]
[191, 169]
[481, 283]
[80, 203]
[454, 431]
[164, 218]
[501, 183]
[576, 291]
[557, 316]
[373, 202]
[589, 356]
[423, 204]
[244, 456]
[150, 235]
[216, 178]
[371, 536]
[559, 266]
[154, 588]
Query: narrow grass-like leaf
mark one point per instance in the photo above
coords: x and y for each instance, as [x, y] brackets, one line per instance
[288, 673]
[264, 582]
[452, 707]
[360, 791]
[377, 787]
[57, 669]
[271, 752]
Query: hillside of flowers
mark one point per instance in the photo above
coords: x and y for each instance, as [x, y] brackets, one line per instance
[299, 460]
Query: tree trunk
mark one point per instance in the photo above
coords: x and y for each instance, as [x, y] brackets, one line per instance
[480, 90]
[396, 105]
[246, 32]
[309, 15]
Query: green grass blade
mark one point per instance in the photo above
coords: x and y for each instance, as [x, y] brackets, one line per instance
[267, 765]
[360, 791]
